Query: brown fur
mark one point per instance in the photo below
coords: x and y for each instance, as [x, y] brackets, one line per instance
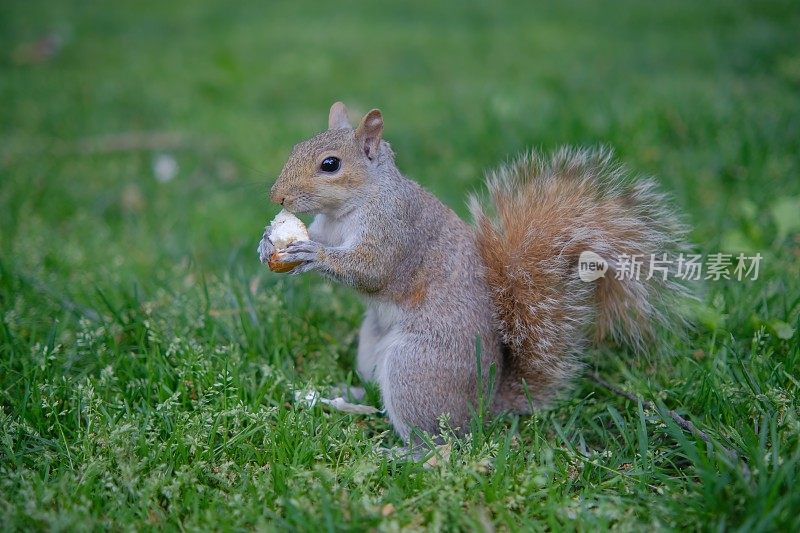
[543, 214]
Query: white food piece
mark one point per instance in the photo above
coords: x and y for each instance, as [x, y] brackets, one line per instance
[286, 229]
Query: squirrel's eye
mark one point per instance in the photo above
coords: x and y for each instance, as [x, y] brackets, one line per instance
[330, 164]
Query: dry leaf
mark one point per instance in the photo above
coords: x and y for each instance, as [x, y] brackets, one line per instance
[441, 455]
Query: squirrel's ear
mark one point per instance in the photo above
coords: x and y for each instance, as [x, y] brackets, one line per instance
[369, 132]
[337, 118]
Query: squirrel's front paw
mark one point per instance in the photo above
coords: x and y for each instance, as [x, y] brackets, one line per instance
[265, 247]
[307, 253]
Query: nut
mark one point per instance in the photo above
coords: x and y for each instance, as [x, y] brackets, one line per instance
[276, 265]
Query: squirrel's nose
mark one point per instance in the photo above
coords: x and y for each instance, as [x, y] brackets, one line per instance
[275, 197]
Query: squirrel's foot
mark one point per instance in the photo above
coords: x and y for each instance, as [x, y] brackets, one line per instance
[307, 253]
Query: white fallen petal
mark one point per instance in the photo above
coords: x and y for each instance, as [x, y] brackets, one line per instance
[165, 168]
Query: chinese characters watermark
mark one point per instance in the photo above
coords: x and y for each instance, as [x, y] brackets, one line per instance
[689, 267]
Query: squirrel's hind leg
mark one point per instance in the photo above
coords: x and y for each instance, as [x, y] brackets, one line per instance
[418, 385]
[369, 358]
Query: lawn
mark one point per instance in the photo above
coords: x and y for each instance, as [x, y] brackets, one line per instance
[149, 363]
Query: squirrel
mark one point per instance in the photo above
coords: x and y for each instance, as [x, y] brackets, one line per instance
[447, 301]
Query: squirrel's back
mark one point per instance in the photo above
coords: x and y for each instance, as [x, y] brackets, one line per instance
[543, 214]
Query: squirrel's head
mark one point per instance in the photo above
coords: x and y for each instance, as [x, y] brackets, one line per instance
[331, 169]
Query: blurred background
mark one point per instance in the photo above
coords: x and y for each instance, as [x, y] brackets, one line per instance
[137, 135]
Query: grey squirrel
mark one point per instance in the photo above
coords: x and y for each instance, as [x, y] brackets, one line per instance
[434, 285]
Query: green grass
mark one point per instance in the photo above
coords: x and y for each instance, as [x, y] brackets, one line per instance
[148, 362]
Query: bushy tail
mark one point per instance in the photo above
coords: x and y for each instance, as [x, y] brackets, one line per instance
[544, 213]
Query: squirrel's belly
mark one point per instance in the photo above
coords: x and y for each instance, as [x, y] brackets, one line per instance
[387, 314]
